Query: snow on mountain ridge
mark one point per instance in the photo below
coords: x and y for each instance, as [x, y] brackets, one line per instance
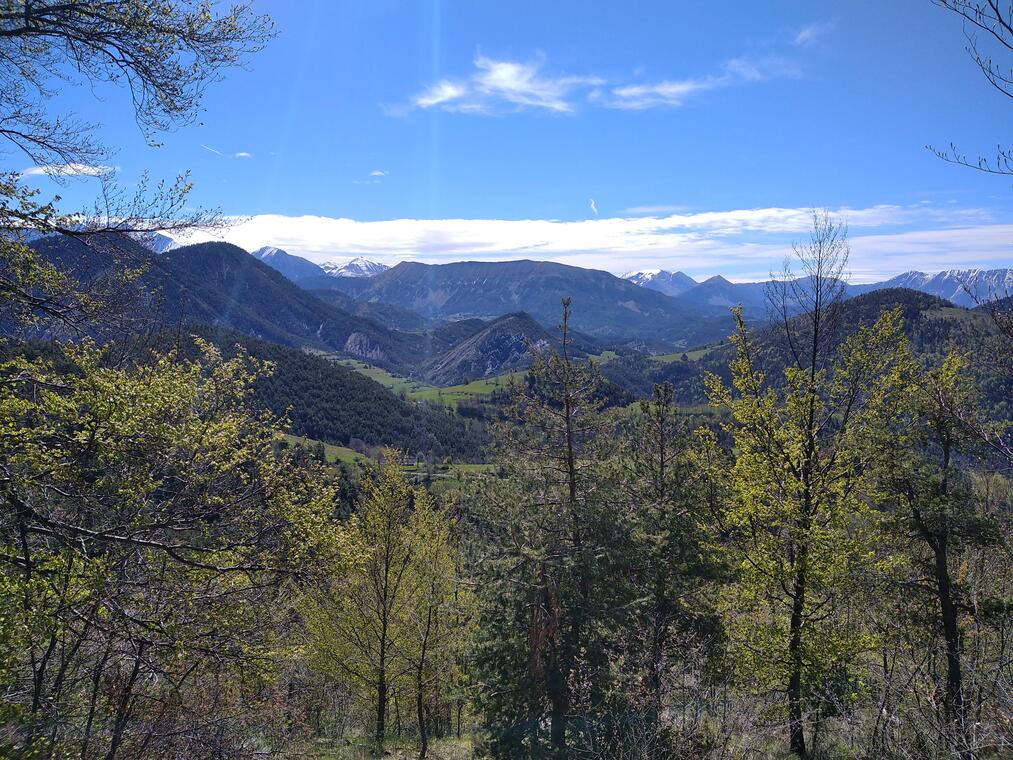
[669, 283]
[357, 267]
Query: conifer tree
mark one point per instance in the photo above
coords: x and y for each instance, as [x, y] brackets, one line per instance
[544, 585]
[667, 474]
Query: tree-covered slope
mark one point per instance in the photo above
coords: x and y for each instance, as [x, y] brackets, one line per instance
[501, 346]
[603, 305]
[220, 284]
[934, 327]
[329, 402]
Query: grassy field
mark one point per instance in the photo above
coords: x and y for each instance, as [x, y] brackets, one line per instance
[695, 355]
[603, 357]
[448, 396]
[394, 382]
[331, 452]
[476, 389]
[344, 454]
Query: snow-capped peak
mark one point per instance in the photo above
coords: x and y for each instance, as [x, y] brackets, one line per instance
[357, 267]
[157, 242]
[669, 283]
[641, 274]
[267, 251]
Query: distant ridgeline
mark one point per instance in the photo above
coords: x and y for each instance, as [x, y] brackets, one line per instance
[933, 325]
[452, 323]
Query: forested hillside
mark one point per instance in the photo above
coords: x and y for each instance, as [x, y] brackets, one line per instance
[220, 284]
[934, 327]
[326, 401]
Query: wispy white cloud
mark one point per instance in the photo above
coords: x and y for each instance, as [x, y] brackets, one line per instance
[500, 86]
[211, 150]
[810, 34]
[505, 85]
[375, 177]
[594, 206]
[741, 244]
[69, 170]
[243, 154]
[675, 92]
[659, 209]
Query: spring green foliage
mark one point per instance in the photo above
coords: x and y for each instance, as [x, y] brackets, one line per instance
[939, 527]
[389, 625]
[827, 573]
[801, 531]
[148, 533]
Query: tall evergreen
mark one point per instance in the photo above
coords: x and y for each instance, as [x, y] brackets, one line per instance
[544, 588]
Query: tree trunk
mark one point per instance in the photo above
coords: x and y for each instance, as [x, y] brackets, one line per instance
[420, 702]
[557, 714]
[954, 702]
[796, 720]
[124, 706]
[381, 707]
[557, 731]
[420, 711]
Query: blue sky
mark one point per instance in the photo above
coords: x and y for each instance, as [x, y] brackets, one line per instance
[703, 133]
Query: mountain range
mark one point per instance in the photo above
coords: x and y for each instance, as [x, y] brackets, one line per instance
[450, 323]
[441, 291]
[964, 287]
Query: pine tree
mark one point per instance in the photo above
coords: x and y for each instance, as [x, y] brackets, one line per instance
[667, 471]
[548, 536]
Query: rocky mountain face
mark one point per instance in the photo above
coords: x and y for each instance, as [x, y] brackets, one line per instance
[501, 346]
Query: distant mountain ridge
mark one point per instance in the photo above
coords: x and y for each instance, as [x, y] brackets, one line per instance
[155, 241]
[964, 287]
[392, 317]
[357, 267]
[669, 283]
[294, 268]
[221, 285]
[604, 306]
